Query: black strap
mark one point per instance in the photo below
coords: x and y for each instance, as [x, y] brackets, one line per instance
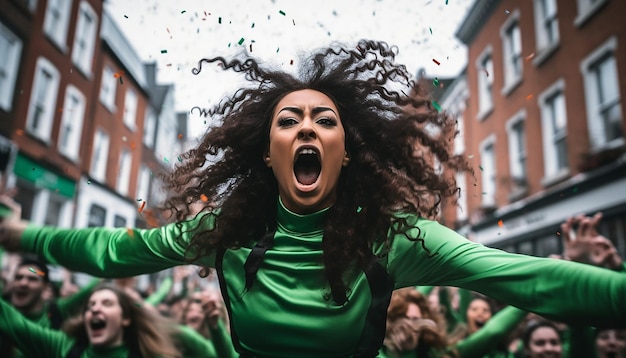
[54, 315]
[381, 287]
[253, 262]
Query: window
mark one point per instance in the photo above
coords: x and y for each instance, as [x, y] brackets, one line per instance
[108, 88]
[488, 171]
[546, 28]
[554, 128]
[604, 110]
[119, 221]
[10, 51]
[130, 109]
[123, 177]
[42, 100]
[484, 67]
[512, 52]
[149, 128]
[586, 9]
[517, 148]
[72, 123]
[97, 216]
[56, 21]
[100, 155]
[85, 38]
[461, 209]
[459, 140]
[143, 185]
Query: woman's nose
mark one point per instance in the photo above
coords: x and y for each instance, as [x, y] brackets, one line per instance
[306, 131]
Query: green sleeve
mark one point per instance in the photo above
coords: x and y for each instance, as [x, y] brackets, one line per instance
[465, 297]
[159, 295]
[193, 345]
[491, 334]
[30, 338]
[560, 290]
[70, 304]
[425, 290]
[112, 253]
[222, 341]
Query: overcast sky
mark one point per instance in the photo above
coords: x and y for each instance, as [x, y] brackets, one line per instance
[177, 33]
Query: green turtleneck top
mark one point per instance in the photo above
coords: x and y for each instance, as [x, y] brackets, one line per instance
[285, 313]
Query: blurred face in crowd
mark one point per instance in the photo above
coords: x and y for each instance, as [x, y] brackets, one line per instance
[28, 289]
[611, 343]
[194, 315]
[104, 319]
[544, 342]
[478, 313]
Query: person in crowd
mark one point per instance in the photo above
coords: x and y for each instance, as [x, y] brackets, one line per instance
[542, 339]
[610, 343]
[319, 197]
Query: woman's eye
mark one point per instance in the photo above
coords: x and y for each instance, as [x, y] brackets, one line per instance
[327, 121]
[284, 122]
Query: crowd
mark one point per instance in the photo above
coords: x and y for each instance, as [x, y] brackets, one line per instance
[313, 199]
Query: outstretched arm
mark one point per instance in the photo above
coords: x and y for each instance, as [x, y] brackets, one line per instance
[593, 296]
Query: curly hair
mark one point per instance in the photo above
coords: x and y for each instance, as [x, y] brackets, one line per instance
[392, 135]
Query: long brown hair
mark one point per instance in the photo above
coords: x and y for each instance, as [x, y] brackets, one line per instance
[384, 120]
[148, 335]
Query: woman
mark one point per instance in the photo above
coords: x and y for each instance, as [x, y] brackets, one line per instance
[111, 325]
[317, 192]
[541, 339]
[611, 343]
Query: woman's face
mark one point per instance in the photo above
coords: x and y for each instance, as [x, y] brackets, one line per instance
[611, 343]
[478, 313]
[544, 343]
[306, 150]
[104, 319]
[194, 316]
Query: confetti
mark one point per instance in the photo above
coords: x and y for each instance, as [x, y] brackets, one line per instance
[507, 12]
[437, 106]
[530, 96]
[294, 22]
[281, 12]
[88, 182]
[486, 72]
[180, 159]
[277, 49]
[38, 272]
[530, 57]
[219, 20]
[291, 62]
[126, 16]
[500, 223]
[558, 233]
[163, 51]
[436, 82]
[180, 136]
[143, 205]
[431, 30]
[204, 198]
[241, 40]
[436, 62]
[165, 160]
[184, 11]
[481, 168]
[252, 27]
[140, 199]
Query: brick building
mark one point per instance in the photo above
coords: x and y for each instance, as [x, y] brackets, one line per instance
[541, 120]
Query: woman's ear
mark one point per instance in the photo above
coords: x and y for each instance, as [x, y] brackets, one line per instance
[346, 159]
[267, 159]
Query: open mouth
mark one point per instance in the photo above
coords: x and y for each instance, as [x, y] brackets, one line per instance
[480, 324]
[97, 324]
[307, 166]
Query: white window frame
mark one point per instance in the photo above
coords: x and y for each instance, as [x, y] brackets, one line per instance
[130, 109]
[595, 126]
[143, 183]
[552, 173]
[517, 151]
[72, 122]
[149, 127]
[488, 173]
[9, 66]
[108, 88]
[544, 46]
[586, 9]
[44, 101]
[511, 36]
[56, 22]
[99, 156]
[123, 177]
[485, 83]
[85, 38]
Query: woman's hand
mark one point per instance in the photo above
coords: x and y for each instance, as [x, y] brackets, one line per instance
[584, 243]
[11, 224]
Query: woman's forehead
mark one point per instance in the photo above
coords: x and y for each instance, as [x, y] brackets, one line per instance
[306, 97]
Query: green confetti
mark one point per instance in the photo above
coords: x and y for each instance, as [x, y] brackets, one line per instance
[219, 20]
[126, 16]
[359, 209]
[446, 2]
[163, 51]
[252, 27]
[281, 12]
[437, 106]
[180, 159]
[184, 11]
[241, 40]
[165, 160]
[436, 82]
[431, 30]
[139, 199]
[88, 182]
[277, 49]
[481, 168]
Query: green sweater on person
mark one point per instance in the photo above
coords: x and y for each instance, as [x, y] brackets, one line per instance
[286, 314]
